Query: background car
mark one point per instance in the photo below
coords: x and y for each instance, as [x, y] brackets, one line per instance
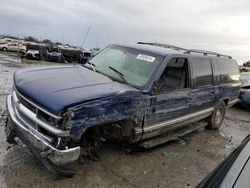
[54, 54]
[4, 40]
[13, 47]
[33, 54]
[243, 69]
[85, 56]
[244, 97]
[232, 172]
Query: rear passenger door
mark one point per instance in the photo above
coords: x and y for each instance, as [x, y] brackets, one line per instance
[203, 92]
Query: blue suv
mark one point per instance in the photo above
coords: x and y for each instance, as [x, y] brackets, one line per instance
[128, 93]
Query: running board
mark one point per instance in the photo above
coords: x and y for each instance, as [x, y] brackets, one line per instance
[172, 136]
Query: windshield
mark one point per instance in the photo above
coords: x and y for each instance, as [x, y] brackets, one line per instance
[87, 54]
[127, 65]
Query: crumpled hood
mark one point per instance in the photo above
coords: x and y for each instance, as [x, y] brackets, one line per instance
[56, 87]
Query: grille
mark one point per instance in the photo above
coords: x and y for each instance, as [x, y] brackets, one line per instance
[28, 120]
[33, 116]
[27, 104]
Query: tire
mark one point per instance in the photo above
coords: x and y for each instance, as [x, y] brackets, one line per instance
[21, 51]
[4, 49]
[216, 119]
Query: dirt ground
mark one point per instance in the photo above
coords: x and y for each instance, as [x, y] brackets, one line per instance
[179, 164]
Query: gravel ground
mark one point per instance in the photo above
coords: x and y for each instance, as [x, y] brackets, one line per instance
[179, 164]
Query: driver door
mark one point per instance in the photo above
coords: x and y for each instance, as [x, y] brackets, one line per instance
[172, 99]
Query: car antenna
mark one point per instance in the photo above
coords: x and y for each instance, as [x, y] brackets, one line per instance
[85, 37]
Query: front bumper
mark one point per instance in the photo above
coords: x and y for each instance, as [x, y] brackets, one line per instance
[35, 141]
[33, 56]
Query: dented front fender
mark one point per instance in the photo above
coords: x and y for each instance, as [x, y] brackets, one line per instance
[130, 106]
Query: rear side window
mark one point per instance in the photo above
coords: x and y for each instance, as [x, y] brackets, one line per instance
[203, 71]
[228, 70]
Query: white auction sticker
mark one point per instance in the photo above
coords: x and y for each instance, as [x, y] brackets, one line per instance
[145, 57]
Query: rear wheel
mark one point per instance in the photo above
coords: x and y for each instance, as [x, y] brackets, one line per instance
[216, 119]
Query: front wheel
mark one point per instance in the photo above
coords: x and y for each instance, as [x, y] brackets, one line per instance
[5, 49]
[216, 119]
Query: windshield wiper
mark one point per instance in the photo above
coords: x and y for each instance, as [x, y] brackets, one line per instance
[119, 73]
[92, 65]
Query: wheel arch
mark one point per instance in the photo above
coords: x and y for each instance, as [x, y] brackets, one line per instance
[127, 127]
[226, 100]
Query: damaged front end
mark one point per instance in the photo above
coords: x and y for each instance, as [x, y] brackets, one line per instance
[36, 128]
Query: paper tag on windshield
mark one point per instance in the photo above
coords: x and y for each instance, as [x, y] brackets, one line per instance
[145, 57]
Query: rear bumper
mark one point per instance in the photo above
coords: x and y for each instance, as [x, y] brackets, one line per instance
[33, 140]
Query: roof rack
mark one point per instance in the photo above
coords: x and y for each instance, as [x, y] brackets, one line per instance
[162, 45]
[188, 51]
[204, 52]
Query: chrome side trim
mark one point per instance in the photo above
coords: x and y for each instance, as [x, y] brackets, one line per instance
[45, 111]
[20, 107]
[231, 84]
[235, 85]
[174, 121]
[231, 103]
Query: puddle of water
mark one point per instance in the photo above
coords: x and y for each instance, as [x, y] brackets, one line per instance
[3, 151]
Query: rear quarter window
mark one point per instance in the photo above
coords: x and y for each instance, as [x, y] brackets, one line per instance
[203, 71]
[228, 70]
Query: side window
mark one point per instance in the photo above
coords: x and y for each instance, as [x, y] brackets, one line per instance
[228, 70]
[203, 71]
[175, 76]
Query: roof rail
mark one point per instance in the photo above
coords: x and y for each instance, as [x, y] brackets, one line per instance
[162, 45]
[188, 51]
[204, 52]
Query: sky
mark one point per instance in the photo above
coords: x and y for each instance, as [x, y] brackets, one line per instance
[216, 25]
